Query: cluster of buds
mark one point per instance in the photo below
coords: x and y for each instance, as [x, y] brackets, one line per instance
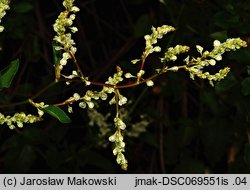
[157, 33]
[4, 5]
[101, 121]
[119, 144]
[195, 65]
[172, 52]
[18, 119]
[63, 28]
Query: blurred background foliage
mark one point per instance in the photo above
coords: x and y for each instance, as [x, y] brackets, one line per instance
[194, 128]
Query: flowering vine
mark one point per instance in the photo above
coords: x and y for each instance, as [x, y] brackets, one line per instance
[112, 89]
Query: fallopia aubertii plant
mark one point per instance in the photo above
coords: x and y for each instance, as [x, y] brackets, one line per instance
[112, 90]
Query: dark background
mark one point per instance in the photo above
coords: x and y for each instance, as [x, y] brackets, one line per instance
[194, 128]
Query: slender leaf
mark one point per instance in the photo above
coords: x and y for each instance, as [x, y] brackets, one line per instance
[56, 59]
[56, 55]
[8, 73]
[221, 35]
[58, 113]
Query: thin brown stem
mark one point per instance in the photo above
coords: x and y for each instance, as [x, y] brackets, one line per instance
[76, 64]
[117, 101]
[143, 60]
[69, 101]
[128, 85]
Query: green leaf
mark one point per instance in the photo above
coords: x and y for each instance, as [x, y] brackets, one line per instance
[58, 113]
[56, 55]
[56, 59]
[8, 73]
[221, 35]
[245, 86]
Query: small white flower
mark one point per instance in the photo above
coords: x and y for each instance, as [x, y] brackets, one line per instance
[40, 112]
[112, 138]
[63, 61]
[76, 96]
[74, 73]
[157, 49]
[122, 100]
[129, 75]
[218, 57]
[216, 43]
[91, 105]
[135, 61]
[82, 105]
[19, 124]
[119, 123]
[140, 73]
[70, 109]
[75, 9]
[150, 83]
[104, 96]
[174, 68]
[87, 83]
[147, 37]
[1, 28]
[74, 29]
[212, 62]
[199, 49]
[112, 101]
[12, 126]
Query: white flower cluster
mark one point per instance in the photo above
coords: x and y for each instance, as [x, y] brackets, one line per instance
[138, 128]
[39, 106]
[121, 100]
[195, 65]
[172, 52]
[4, 5]
[157, 33]
[63, 28]
[119, 147]
[87, 99]
[99, 120]
[18, 119]
[117, 77]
